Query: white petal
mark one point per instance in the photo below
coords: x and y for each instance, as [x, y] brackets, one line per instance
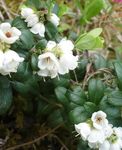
[67, 62]
[115, 146]
[50, 45]
[108, 130]
[15, 31]
[43, 73]
[1, 58]
[38, 28]
[105, 146]
[54, 19]
[66, 46]
[32, 20]
[83, 129]
[25, 12]
[96, 136]
[118, 131]
[5, 26]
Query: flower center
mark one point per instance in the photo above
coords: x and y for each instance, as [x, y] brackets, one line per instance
[8, 34]
[48, 60]
[98, 119]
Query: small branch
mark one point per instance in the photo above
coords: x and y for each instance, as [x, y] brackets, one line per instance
[35, 140]
[60, 141]
[3, 5]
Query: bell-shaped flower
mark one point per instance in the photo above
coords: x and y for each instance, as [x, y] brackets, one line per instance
[25, 12]
[99, 120]
[96, 137]
[9, 34]
[32, 20]
[67, 62]
[48, 65]
[114, 142]
[66, 46]
[83, 129]
[38, 28]
[54, 19]
[10, 62]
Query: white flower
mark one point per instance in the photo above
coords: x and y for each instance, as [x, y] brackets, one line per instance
[96, 136]
[66, 46]
[83, 129]
[63, 49]
[1, 58]
[9, 34]
[67, 62]
[38, 28]
[51, 45]
[32, 20]
[10, 62]
[25, 12]
[54, 19]
[99, 120]
[114, 142]
[48, 65]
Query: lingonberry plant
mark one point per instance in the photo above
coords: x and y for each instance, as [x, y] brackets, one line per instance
[50, 79]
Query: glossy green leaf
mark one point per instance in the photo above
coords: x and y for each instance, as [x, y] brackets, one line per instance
[115, 98]
[5, 95]
[77, 96]
[78, 115]
[93, 8]
[90, 40]
[34, 62]
[95, 90]
[61, 95]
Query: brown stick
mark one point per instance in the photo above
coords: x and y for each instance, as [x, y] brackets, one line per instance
[35, 140]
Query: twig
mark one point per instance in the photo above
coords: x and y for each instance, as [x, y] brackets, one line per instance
[35, 140]
[3, 5]
[1, 16]
[60, 141]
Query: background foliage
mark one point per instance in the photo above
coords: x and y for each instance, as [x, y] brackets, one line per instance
[41, 114]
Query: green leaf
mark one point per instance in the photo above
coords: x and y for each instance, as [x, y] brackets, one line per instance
[77, 96]
[29, 87]
[93, 8]
[95, 90]
[41, 44]
[26, 40]
[100, 62]
[78, 115]
[24, 72]
[34, 3]
[5, 95]
[118, 69]
[51, 31]
[63, 82]
[90, 107]
[109, 109]
[95, 32]
[62, 10]
[90, 40]
[115, 98]
[34, 62]
[19, 23]
[55, 118]
[61, 95]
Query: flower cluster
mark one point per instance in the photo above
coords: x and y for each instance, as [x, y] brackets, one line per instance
[9, 59]
[33, 20]
[57, 59]
[99, 133]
